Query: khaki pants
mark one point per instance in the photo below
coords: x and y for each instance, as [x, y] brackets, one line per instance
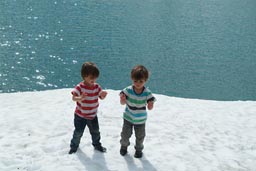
[126, 133]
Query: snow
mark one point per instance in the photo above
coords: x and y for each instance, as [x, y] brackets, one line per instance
[182, 135]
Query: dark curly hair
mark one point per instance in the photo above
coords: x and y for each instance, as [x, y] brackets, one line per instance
[89, 68]
[139, 72]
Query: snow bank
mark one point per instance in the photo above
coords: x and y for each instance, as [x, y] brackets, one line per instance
[182, 135]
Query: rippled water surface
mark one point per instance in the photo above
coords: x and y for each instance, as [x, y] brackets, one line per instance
[194, 49]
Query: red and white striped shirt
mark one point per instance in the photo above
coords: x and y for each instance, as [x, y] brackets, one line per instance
[88, 107]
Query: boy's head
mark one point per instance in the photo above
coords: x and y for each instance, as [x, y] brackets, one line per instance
[139, 72]
[89, 69]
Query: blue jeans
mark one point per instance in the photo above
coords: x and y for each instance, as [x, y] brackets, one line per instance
[80, 124]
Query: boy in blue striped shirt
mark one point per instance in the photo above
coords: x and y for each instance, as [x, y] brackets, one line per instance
[137, 98]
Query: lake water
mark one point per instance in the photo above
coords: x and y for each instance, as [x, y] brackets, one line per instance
[193, 48]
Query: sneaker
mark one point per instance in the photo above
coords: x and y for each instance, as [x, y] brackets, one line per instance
[100, 148]
[138, 154]
[123, 151]
[72, 150]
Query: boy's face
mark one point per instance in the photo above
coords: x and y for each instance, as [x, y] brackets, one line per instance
[138, 84]
[90, 80]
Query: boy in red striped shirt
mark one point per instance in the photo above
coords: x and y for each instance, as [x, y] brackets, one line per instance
[86, 95]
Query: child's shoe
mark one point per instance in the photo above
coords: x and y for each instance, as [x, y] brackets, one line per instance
[123, 150]
[138, 154]
[100, 148]
[72, 150]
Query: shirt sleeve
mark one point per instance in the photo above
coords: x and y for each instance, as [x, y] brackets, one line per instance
[125, 92]
[150, 97]
[99, 89]
[76, 91]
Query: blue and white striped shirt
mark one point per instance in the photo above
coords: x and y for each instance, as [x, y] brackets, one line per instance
[135, 111]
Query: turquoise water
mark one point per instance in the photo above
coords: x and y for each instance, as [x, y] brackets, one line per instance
[194, 49]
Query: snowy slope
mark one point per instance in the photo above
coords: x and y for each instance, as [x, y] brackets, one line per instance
[182, 135]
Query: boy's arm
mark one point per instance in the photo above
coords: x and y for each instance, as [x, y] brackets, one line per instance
[122, 98]
[103, 94]
[150, 102]
[78, 98]
[150, 105]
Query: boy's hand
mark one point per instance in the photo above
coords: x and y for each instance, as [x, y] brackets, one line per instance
[122, 98]
[83, 95]
[79, 98]
[103, 94]
[150, 105]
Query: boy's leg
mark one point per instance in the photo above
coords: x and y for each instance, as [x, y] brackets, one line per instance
[79, 124]
[125, 136]
[140, 134]
[93, 126]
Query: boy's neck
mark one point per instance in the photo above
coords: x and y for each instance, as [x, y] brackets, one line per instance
[138, 91]
[87, 84]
